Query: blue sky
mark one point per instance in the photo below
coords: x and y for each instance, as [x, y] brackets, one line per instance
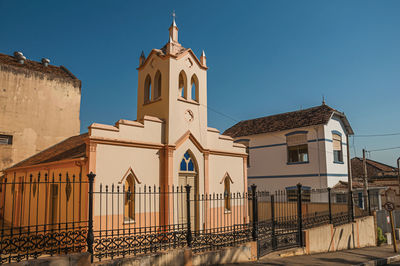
[264, 57]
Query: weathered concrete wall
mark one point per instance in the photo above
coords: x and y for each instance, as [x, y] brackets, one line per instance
[77, 259]
[38, 111]
[242, 253]
[327, 238]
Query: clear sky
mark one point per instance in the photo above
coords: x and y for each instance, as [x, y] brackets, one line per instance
[264, 57]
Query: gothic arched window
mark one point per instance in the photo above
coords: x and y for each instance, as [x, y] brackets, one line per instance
[147, 89]
[129, 198]
[187, 164]
[195, 88]
[182, 85]
[157, 85]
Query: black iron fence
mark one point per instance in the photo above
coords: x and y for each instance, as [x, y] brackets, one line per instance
[58, 214]
[42, 214]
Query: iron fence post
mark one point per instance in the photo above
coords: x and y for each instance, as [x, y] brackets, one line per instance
[90, 235]
[330, 205]
[299, 215]
[189, 237]
[369, 203]
[273, 236]
[255, 211]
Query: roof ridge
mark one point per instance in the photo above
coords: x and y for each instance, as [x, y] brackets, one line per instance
[381, 163]
[301, 110]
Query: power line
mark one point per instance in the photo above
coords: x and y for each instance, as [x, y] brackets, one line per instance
[385, 149]
[378, 135]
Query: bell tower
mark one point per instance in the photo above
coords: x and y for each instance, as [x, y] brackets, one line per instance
[172, 85]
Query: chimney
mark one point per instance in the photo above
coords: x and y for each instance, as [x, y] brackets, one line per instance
[45, 62]
[20, 57]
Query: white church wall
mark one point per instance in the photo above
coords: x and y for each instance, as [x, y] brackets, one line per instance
[150, 130]
[219, 165]
[178, 120]
[112, 163]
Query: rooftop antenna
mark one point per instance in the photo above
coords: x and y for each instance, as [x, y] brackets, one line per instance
[323, 99]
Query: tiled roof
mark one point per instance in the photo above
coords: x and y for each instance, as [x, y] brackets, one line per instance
[70, 148]
[318, 115]
[50, 71]
[374, 169]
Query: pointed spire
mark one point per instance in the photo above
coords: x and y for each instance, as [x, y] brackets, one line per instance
[173, 29]
[142, 58]
[173, 19]
[203, 58]
[323, 100]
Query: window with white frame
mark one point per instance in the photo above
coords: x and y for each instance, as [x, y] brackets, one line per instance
[297, 148]
[337, 148]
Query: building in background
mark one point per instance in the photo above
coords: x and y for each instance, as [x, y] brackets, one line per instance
[379, 175]
[39, 107]
[307, 146]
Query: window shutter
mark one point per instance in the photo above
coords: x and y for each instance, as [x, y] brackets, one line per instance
[297, 139]
[337, 142]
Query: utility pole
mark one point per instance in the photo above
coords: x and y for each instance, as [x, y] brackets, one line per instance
[398, 171]
[365, 179]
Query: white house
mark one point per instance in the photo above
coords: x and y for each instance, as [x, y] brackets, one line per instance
[306, 146]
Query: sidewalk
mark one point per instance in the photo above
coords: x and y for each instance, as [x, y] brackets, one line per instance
[345, 257]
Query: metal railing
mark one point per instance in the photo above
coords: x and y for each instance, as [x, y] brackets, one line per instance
[59, 214]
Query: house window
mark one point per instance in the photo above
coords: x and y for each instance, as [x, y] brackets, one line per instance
[227, 194]
[337, 148]
[129, 198]
[6, 139]
[297, 148]
[341, 198]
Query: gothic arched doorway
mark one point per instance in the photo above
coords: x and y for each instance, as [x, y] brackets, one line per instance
[188, 175]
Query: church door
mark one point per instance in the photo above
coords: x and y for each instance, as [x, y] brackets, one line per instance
[188, 175]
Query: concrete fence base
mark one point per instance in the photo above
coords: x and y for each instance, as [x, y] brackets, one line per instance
[242, 253]
[327, 238]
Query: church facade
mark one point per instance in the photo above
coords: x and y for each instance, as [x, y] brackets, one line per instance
[168, 145]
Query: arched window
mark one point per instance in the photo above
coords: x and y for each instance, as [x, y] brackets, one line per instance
[188, 175]
[182, 85]
[187, 164]
[227, 193]
[157, 85]
[337, 148]
[194, 91]
[129, 212]
[147, 89]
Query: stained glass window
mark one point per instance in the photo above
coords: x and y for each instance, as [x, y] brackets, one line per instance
[187, 163]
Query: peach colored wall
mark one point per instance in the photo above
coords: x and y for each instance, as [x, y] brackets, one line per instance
[28, 204]
[32, 106]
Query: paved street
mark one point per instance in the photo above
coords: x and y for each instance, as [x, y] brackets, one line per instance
[347, 257]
